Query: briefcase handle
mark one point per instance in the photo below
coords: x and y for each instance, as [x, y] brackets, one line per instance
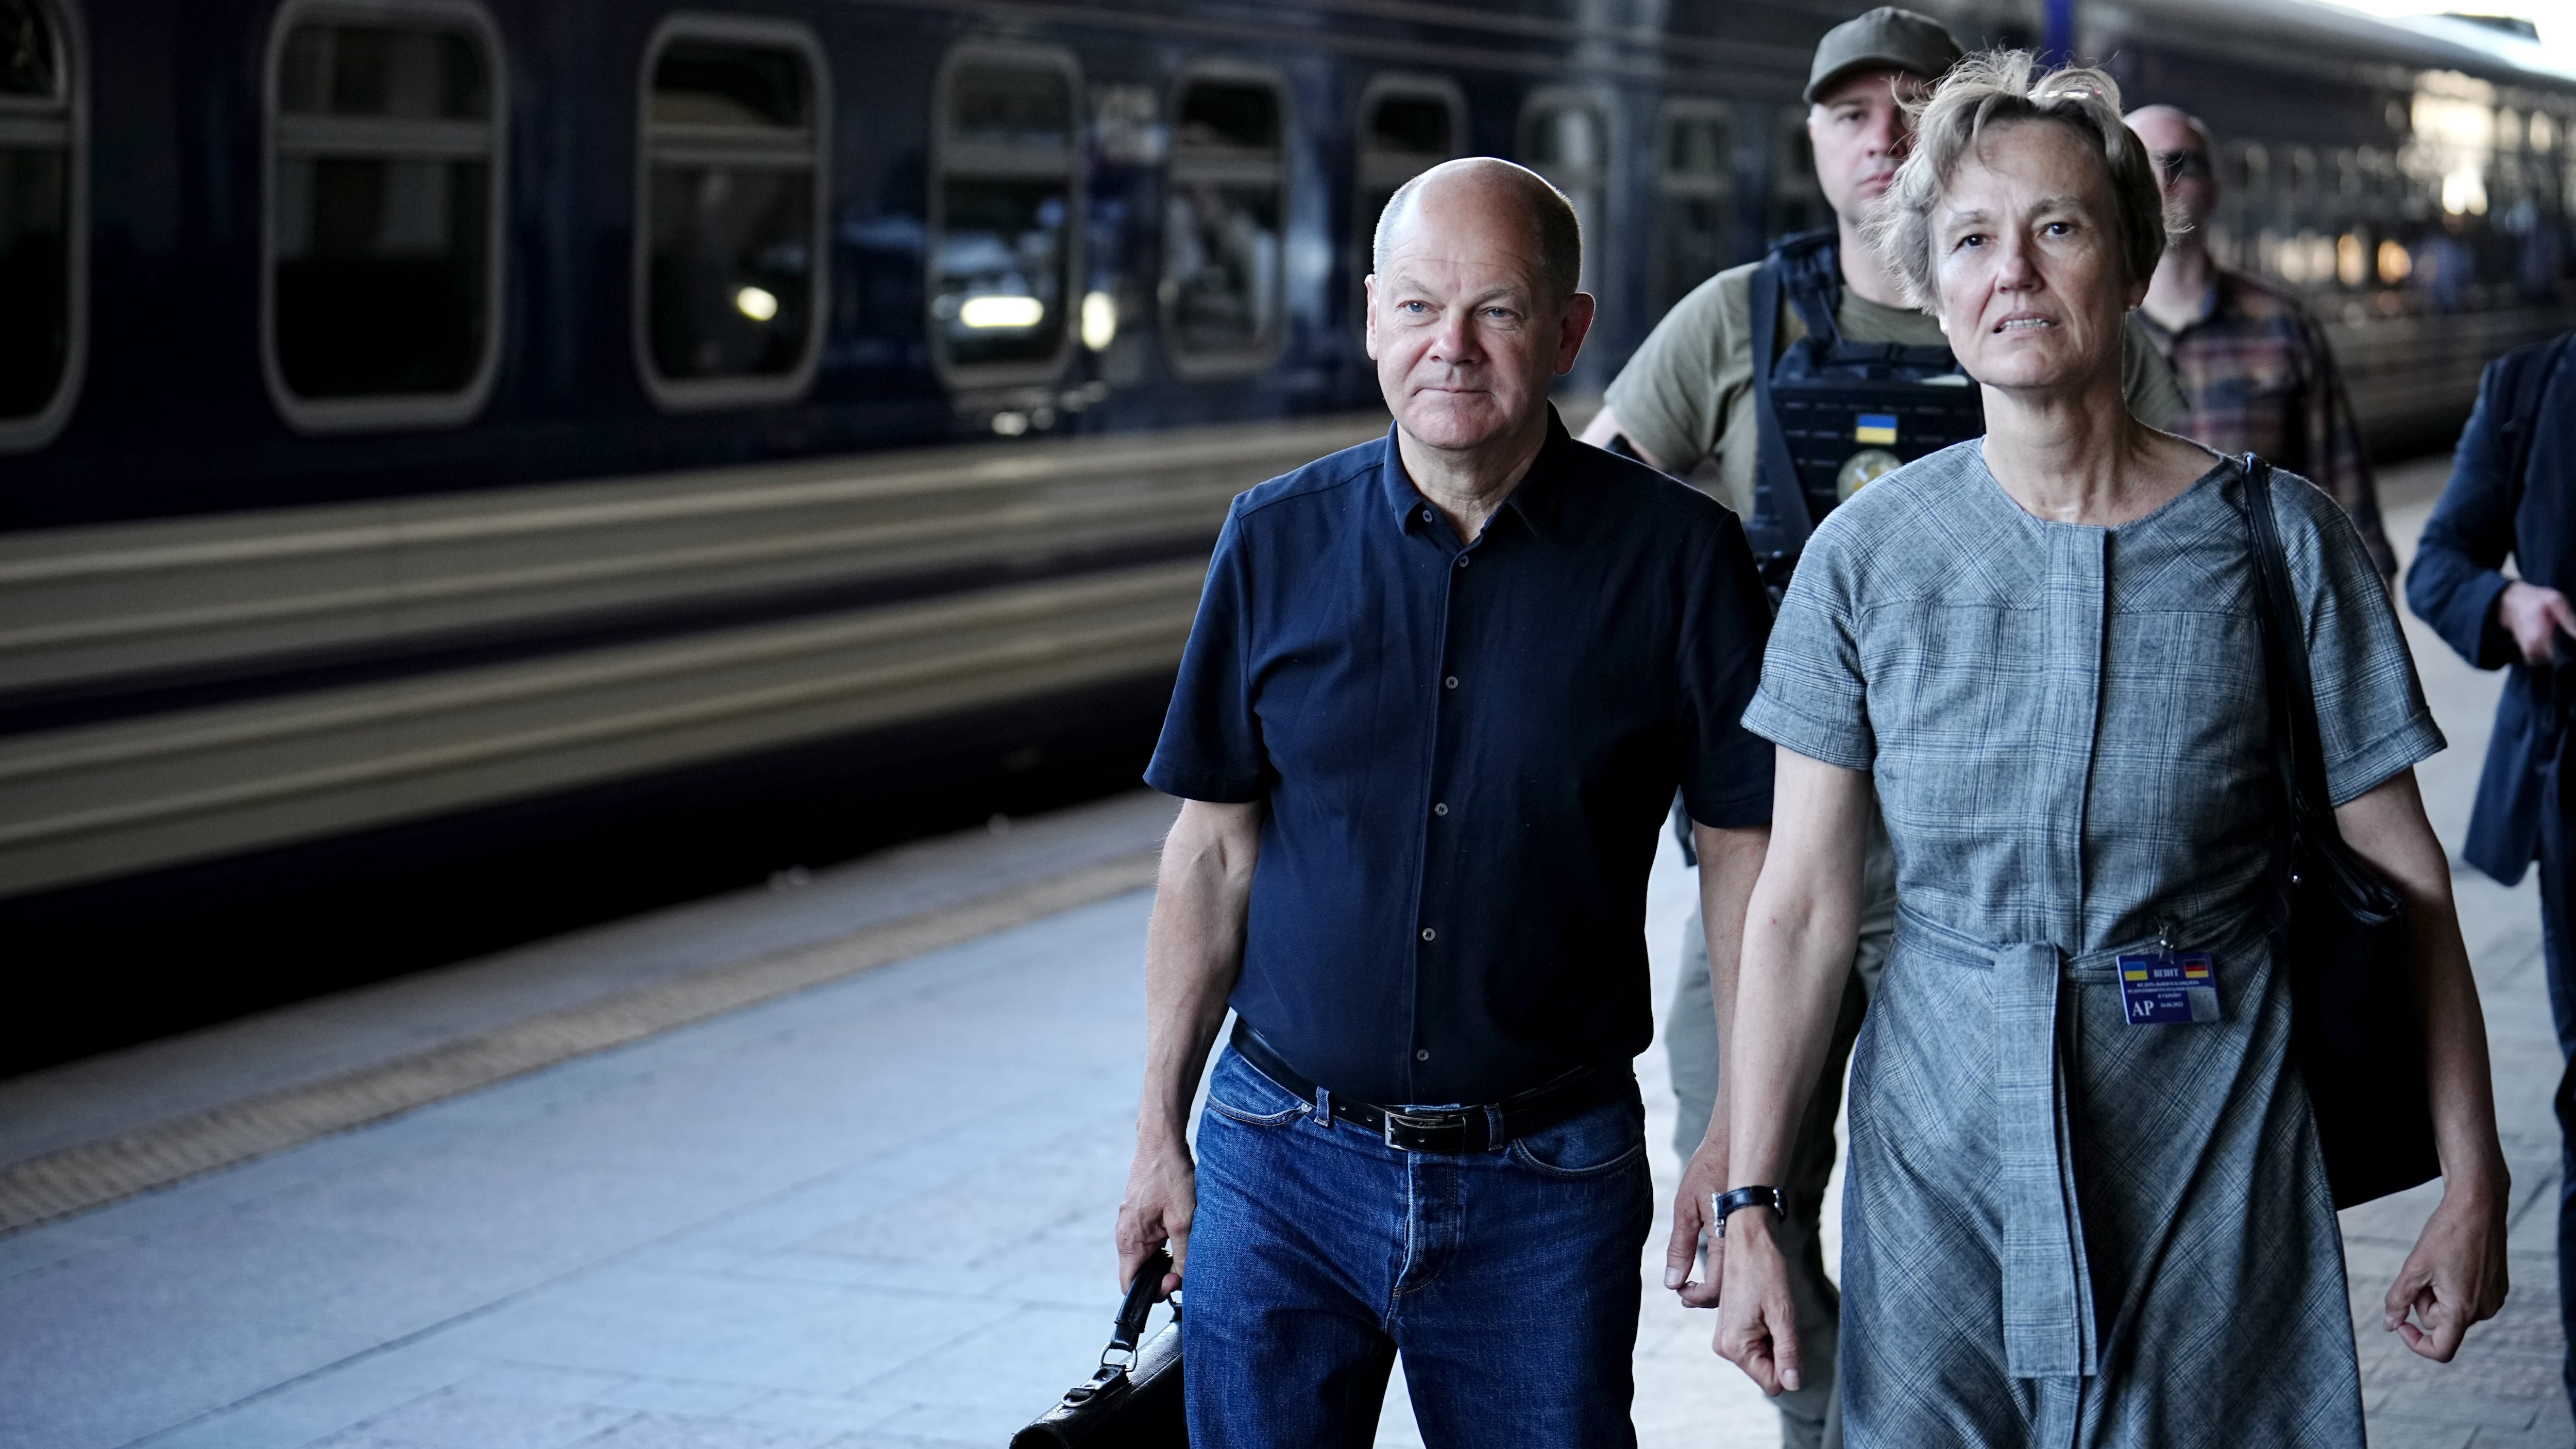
[1139, 1307]
[1119, 1358]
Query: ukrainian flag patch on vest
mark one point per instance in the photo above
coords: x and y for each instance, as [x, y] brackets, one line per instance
[1877, 428]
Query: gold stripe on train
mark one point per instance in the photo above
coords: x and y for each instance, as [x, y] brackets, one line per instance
[92, 802]
[81, 605]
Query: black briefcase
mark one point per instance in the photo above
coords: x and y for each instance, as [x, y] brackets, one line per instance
[2356, 1019]
[1133, 1401]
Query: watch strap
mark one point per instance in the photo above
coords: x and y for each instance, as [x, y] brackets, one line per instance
[1722, 1205]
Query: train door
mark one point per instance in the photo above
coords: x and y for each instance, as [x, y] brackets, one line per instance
[1694, 197]
[1797, 201]
[1565, 137]
[1407, 125]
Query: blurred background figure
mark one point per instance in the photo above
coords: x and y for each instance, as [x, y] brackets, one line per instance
[2512, 487]
[2253, 362]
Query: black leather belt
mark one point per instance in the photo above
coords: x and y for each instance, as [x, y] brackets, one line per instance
[1455, 1129]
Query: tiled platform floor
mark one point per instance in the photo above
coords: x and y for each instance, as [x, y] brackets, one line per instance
[873, 1214]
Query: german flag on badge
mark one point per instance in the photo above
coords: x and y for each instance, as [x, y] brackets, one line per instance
[1877, 428]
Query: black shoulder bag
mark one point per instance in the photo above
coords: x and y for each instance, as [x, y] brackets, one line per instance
[2357, 1016]
[1134, 1400]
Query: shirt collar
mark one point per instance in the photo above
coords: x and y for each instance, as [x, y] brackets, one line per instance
[1537, 498]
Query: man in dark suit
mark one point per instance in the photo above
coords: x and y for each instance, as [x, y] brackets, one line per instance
[2513, 491]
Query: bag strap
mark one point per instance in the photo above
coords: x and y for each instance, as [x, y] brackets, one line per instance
[1779, 498]
[2297, 752]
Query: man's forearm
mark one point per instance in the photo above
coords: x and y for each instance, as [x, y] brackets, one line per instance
[1729, 863]
[1193, 953]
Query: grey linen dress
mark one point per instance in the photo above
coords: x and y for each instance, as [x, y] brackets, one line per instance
[2060, 1229]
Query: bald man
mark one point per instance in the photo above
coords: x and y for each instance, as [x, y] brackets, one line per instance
[1441, 689]
[2252, 361]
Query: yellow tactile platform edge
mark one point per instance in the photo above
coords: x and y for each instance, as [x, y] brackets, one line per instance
[77, 1179]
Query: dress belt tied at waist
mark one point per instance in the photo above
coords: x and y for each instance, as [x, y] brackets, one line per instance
[2047, 1285]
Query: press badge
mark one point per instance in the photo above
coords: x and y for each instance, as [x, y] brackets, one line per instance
[2167, 988]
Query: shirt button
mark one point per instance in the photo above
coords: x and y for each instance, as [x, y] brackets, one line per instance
[1428, 933]
[1426, 515]
[1439, 809]
[1463, 560]
[1451, 681]
[1422, 1054]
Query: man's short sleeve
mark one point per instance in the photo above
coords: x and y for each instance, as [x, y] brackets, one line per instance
[1726, 770]
[1211, 746]
[1670, 395]
[2371, 716]
[1813, 698]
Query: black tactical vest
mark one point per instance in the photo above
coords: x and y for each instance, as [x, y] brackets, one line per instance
[1836, 414]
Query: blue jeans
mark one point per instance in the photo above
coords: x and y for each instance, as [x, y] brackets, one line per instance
[1508, 1279]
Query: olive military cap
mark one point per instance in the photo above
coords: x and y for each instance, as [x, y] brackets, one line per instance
[1886, 38]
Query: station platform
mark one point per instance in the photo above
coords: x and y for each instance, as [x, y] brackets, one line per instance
[834, 1163]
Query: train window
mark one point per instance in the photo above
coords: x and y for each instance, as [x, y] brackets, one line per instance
[1695, 182]
[42, 220]
[1225, 209]
[1408, 124]
[1003, 216]
[729, 282]
[1566, 138]
[382, 283]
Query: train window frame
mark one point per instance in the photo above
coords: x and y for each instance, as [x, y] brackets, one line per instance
[387, 411]
[1368, 178]
[1179, 165]
[1672, 186]
[703, 394]
[945, 154]
[1600, 181]
[60, 120]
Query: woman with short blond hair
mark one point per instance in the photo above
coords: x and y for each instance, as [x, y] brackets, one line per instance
[2042, 648]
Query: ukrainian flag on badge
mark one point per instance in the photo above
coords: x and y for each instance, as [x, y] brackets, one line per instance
[1875, 428]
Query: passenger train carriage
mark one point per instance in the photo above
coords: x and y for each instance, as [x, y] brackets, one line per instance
[451, 446]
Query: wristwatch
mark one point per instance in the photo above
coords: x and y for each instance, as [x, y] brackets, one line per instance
[1720, 1204]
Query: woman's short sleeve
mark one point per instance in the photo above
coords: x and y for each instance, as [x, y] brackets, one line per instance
[1813, 699]
[2371, 717]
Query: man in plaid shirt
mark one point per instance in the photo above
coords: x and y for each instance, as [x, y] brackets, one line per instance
[2250, 358]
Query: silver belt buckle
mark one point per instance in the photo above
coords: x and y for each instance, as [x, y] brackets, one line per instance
[1454, 1123]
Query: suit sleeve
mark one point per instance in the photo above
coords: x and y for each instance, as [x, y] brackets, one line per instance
[2458, 564]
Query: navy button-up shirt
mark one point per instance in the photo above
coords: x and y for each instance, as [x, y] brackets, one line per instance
[1466, 751]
